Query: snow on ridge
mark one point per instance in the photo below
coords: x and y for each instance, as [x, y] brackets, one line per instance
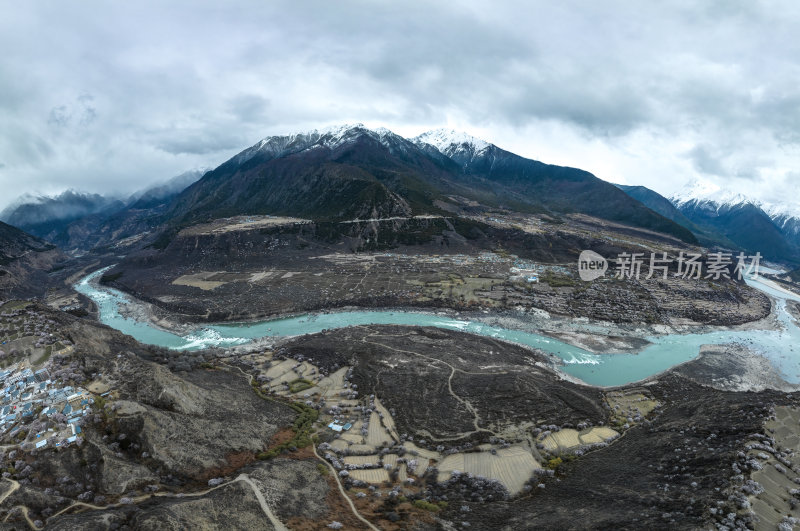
[706, 191]
[782, 211]
[694, 190]
[336, 129]
[442, 139]
[278, 145]
[336, 135]
[330, 136]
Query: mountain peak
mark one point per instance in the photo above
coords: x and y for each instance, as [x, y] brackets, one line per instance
[331, 137]
[445, 139]
[706, 191]
[782, 211]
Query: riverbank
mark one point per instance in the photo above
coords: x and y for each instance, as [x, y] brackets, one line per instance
[733, 367]
[598, 337]
[596, 353]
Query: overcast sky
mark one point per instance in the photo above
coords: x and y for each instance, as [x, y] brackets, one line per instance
[110, 96]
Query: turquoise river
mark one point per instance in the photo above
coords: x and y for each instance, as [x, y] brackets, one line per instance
[665, 351]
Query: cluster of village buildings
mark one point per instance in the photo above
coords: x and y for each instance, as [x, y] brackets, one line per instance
[27, 395]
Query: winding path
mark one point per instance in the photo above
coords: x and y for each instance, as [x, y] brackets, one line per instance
[241, 477]
[10, 491]
[466, 403]
[264, 505]
[344, 494]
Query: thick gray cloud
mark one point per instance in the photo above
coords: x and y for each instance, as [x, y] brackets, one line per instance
[107, 97]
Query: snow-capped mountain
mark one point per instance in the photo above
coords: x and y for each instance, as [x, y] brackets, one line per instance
[700, 191]
[455, 145]
[459, 146]
[773, 229]
[354, 172]
[330, 137]
[786, 217]
[39, 215]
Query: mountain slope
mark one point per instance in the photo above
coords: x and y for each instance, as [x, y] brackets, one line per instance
[658, 203]
[738, 218]
[159, 193]
[321, 176]
[24, 262]
[76, 220]
[788, 222]
[556, 188]
[744, 224]
[46, 216]
[351, 172]
[16, 243]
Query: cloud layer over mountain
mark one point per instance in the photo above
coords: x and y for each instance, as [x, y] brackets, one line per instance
[110, 97]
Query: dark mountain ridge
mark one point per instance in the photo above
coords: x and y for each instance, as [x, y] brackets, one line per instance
[740, 224]
[45, 217]
[355, 173]
[76, 220]
[352, 172]
[745, 224]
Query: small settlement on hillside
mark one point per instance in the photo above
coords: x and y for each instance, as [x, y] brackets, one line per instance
[29, 395]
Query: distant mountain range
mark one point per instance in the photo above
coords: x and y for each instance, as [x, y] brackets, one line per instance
[723, 218]
[352, 172]
[44, 216]
[153, 196]
[76, 219]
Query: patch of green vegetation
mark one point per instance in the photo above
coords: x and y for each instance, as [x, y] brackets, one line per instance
[323, 470]
[428, 506]
[14, 305]
[554, 463]
[99, 404]
[558, 281]
[419, 231]
[302, 426]
[471, 230]
[300, 384]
